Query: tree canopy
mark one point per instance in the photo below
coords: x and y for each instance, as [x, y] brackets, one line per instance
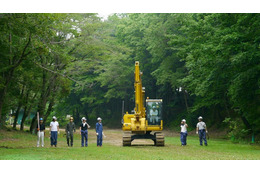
[77, 64]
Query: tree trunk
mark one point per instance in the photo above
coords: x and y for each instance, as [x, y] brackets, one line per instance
[77, 114]
[16, 115]
[247, 124]
[51, 104]
[18, 108]
[185, 99]
[23, 118]
[27, 112]
[4, 90]
[10, 73]
[25, 109]
[3, 93]
[33, 123]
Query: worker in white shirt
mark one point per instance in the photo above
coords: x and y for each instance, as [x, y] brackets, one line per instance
[202, 130]
[184, 132]
[54, 126]
[154, 115]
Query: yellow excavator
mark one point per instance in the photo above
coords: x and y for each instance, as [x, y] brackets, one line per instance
[145, 122]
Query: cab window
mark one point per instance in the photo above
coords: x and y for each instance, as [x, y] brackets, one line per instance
[154, 113]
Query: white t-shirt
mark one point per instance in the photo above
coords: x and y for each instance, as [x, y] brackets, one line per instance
[201, 125]
[153, 113]
[54, 126]
[183, 128]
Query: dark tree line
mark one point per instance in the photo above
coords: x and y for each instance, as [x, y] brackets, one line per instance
[76, 64]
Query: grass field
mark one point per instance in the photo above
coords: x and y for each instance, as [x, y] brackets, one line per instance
[16, 145]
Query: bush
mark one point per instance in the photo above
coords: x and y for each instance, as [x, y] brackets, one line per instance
[27, 122]
[237, 131]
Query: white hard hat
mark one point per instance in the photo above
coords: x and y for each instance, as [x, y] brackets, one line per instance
[83, 119]
[200, 117]
[184, 120]
[54, 118]
[99, 118]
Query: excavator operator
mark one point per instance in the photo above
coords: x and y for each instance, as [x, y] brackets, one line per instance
[154, 115]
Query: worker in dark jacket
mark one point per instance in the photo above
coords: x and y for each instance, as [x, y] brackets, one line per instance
[99, 132]
[83, 130]
[40, 133]
[69, 131]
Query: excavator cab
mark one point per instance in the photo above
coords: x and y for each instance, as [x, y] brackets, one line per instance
[154, 111]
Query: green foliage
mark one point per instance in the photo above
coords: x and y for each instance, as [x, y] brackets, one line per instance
[199, 64]
[236, 130]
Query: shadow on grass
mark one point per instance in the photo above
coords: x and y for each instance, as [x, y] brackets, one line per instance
[7, 147]
[141, 145]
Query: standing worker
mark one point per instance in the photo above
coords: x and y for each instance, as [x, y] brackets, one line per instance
[40, 133]
[184, 132]
[99, 132]
[202, 130]
[69, 132]
[54, 126]
[83, 130]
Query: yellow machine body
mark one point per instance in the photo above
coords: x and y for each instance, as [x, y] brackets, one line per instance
[137, 122]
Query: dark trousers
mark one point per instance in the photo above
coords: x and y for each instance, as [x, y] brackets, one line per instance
[84, 135]
[202, 135]
[184, 138]
[54, 137]
[99, 139]
[70, 138]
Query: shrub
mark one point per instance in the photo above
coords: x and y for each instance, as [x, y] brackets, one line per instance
[236, 130]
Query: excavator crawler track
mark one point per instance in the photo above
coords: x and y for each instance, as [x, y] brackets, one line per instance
[159, 139]
[127, 139]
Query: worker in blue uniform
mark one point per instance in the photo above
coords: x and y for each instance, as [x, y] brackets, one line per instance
[99, 132]
[184, 132]
[202, 130]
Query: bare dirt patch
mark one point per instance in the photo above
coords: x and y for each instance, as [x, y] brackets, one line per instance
[114, 137]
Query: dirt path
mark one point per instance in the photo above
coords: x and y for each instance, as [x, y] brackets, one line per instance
[114, 137]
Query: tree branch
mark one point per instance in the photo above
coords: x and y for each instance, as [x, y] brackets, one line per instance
[23, 53]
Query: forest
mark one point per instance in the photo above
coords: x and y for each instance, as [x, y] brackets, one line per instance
[81, 65]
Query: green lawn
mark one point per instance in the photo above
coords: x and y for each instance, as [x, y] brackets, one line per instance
[16, 145]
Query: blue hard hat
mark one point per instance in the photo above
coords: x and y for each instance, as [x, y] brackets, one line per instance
[41, 119]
